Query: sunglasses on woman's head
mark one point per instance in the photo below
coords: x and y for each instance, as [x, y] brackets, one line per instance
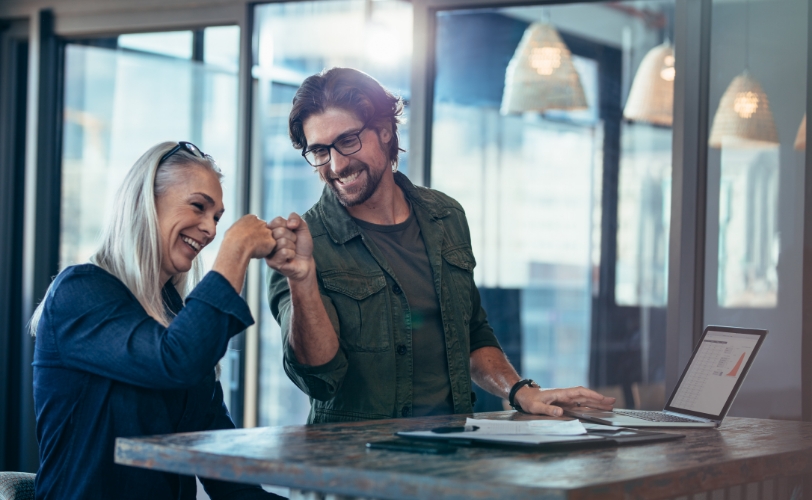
[189, 147]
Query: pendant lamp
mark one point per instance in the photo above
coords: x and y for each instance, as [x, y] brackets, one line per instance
[541, 76]
[800, 141]
[651, 98]
[744, 118]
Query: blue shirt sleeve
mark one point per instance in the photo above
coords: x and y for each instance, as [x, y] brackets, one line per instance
[98, 326]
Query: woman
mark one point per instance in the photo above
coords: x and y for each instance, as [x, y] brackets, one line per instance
[117, 353]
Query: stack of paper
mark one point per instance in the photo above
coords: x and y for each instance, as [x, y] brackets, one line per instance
[533, 427]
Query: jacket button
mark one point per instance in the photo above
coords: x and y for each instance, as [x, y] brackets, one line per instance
[397, 290]
[404, 412]
[402, 349]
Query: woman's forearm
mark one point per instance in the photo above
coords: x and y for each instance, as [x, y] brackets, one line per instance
[232, 263]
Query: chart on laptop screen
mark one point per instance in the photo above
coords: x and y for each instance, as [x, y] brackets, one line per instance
[714, 371]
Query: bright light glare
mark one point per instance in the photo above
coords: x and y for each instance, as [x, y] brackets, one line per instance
[668, 72]
[385, 45]
[545, 60]
[746, 104]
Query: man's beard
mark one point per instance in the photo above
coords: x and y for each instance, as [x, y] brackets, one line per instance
[363, 192]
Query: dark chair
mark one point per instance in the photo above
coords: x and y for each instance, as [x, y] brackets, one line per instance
[16, 486]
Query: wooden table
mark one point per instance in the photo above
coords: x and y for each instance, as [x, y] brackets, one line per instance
[770, 457]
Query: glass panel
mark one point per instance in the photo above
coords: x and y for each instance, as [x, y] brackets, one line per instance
[567, 202]
[373, 36]
[176, 44]
[221, 47]
[754, 242]
[118, 103]
[644, 216]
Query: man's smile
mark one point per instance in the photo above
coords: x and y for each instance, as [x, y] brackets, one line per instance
[349, 178]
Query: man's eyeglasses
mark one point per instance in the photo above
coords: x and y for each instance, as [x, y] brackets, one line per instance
[345, 145]
[190, 148]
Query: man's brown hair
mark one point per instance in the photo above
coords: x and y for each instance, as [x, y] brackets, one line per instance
[350, 90]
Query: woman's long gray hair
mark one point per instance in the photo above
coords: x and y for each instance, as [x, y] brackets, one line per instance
[131, 247]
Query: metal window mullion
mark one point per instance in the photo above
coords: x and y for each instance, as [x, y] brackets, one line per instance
[6, 180]
[686, 266]
[422, 93]
[197, 91]
[13, 67]
[250, 201]
[141, 19]
[43, 200]
[806, 329]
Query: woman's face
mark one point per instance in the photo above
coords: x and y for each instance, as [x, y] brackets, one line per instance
[188, 212]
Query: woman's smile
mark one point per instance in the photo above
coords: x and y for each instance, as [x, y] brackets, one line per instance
[194, 244]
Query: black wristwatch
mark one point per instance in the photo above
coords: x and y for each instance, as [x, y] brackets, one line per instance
[518, 385]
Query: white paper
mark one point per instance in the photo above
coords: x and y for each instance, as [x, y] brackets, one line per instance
[600, 427]
[532, 427]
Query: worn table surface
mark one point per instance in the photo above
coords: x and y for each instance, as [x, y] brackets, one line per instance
[333, 458]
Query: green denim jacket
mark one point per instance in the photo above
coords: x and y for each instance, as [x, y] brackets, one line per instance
[370, 376]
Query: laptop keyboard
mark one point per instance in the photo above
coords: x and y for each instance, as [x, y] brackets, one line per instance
[653, 416]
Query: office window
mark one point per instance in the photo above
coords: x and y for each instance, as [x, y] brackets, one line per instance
[374, 37]
[125, 94]
[568, 201]
[754, 232]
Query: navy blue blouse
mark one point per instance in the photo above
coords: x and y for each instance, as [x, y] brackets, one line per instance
[103, 368]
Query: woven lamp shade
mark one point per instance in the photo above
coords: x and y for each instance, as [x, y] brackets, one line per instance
[744, 118]
[541, 76]
[651, 98]
[800, 141]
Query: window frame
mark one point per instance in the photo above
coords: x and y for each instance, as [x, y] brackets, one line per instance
[687, 237]
[14, 47]
[87, 18]
[42, 226]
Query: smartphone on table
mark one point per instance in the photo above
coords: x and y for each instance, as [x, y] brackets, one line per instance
[412, 446]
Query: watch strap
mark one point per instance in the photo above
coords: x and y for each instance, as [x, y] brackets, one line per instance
[513, 390]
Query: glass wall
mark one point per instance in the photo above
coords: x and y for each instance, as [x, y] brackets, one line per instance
[554, 134]
[373, 36]
[754, 239]
[125, 94]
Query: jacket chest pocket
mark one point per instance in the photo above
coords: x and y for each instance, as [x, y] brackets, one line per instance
[460, 277]
[361, 304]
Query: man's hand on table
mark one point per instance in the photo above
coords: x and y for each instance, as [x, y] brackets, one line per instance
[551, 401]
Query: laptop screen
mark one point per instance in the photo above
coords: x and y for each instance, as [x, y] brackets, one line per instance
[715, 371]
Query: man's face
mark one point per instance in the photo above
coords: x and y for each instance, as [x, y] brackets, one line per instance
[353, 178]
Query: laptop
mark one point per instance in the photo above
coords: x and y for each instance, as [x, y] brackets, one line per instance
[706, 388]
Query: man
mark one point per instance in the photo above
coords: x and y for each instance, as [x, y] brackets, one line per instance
[379, 312]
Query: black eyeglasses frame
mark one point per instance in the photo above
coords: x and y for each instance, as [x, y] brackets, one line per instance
[333, 146]
[191, 148]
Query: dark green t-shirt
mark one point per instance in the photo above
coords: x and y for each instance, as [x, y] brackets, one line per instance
[403, 248]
